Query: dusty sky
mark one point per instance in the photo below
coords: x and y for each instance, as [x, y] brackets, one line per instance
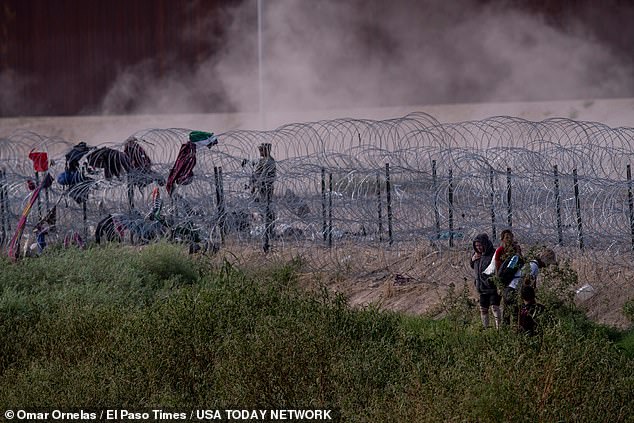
[345, 54]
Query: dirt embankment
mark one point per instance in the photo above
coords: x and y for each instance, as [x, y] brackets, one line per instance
[418, 281]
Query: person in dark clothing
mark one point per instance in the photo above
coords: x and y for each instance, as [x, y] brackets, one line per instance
[262, 181]
[527, 275]
[264, 175]
[489, 297]
[530, 312]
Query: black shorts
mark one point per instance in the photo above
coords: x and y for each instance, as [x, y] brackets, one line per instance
[487, 300]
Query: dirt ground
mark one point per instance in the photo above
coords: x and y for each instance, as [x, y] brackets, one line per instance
[417, 281]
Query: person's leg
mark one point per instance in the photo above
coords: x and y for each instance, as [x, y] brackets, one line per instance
[484, 310]
[268, 213]
[495, 307]
[497, 314]
[513, 307]
[508, 306]
[484, 316]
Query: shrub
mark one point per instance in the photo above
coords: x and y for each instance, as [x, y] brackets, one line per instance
[226, 339]
[162, 262]
[628, 310]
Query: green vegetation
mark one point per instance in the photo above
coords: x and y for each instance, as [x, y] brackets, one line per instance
[117, 327]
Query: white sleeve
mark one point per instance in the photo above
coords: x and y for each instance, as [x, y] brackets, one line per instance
[491, 267]
[534, 269]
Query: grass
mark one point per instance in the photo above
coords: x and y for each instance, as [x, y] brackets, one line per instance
[116, 327]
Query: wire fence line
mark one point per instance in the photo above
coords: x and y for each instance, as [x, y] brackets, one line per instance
[384, 184]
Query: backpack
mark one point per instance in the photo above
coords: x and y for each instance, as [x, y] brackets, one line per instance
[509, 268]
[527, 276]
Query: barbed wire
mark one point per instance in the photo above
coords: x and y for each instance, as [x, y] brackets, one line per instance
[556, 182]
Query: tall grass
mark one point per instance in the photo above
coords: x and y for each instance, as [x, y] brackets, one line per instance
[119, 327]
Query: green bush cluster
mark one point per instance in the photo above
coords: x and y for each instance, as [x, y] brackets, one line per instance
[157, 328]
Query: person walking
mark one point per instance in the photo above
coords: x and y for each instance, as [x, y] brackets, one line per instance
[262, 180]
[525, 276]
[489, 297]
[508, 263]
[508, 247]
[546, 257]
[264, 175]
[529, 312]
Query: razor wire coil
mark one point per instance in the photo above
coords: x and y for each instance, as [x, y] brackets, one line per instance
[448, 181]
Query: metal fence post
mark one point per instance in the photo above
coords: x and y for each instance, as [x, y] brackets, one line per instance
[509, 198]
[578, 207]
[388, 190]
[379, 207]
[324, 226]
[85, 218]
[450, 207]
[434, 177]
[3, 211]
[491, 181]
[39, 201]
[630, 202]
[330, 210]
[560, 235]
[130, 187]
[220, 203]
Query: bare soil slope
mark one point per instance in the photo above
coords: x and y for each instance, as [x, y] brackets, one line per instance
[417, 282]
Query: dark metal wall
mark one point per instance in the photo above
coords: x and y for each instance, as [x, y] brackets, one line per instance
[67, 52]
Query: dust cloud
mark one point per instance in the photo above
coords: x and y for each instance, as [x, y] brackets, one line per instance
[355, 54]
[332, 54]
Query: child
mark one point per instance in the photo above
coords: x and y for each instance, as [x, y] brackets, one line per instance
[530, 311]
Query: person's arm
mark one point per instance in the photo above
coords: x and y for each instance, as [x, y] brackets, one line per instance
[475, 257]
[534, 273]
[498, 257]
[256, 175]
